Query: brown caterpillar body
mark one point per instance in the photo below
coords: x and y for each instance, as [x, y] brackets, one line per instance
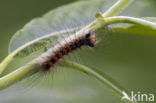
[54, 55]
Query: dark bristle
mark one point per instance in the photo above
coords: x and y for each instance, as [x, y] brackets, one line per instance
[83, 41]
[52, 60]
[69, 48]
[57, 55]
[61, 50]
[79, 43]
[66, 48]
[72, 46]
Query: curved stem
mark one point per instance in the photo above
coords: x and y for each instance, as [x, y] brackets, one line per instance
[116, 8]
[131, 20]
[32, 68]
[112, 11]
[108, 81]
[95, 73]
[101, 22]
[6, 61]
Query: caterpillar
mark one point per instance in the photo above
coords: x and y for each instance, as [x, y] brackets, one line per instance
[63, 48]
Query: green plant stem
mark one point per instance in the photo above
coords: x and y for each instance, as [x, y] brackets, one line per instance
[131, 20]
[95, 73]
[105, 79]
[32, 68]
[6, 61]
[116, 8]
[102, 22]
[18, 75]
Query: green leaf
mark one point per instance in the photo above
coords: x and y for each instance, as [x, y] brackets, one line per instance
[42, 42]
[117, 69]
[80, 13]
[35, 35]
[32, 37]
[27, 40]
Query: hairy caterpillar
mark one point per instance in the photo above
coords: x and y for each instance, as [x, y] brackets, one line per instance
[65, 47]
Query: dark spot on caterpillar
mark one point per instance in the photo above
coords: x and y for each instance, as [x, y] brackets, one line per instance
[63, 49]
[52, 60]
[72, 46]
[57, 55]
[66, 48]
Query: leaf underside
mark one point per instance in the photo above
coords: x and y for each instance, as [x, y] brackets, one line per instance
[72, 16]
[36, 35]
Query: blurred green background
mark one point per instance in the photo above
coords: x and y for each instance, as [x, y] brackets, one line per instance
[129, 59]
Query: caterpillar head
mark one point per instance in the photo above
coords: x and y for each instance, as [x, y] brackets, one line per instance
[91, 39]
